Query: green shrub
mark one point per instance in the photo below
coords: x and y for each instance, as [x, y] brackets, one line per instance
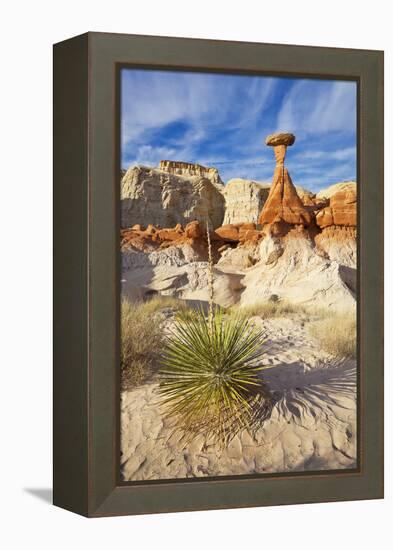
[209, 376]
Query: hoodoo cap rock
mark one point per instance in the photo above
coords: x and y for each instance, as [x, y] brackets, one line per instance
[280, 139]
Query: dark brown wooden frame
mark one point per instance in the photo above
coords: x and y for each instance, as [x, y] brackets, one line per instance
[86, 267]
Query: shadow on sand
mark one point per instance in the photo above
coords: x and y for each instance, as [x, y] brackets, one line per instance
[297, 391]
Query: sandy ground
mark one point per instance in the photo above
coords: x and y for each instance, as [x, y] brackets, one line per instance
[312, 425]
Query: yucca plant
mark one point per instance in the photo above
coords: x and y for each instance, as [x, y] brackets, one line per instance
[209, 376]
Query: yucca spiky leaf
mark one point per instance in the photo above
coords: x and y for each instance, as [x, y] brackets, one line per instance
[209, 376]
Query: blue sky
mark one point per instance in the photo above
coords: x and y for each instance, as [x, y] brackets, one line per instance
[222, 121]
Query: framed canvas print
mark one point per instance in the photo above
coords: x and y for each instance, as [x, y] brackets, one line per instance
[218, 260]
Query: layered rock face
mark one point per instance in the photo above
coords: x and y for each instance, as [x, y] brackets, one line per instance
[244, 200]
[341, 210]
[333, 189]
[163, 199]
[191, 169]
[338, 244]
[338, 224]
[173, 262]
[283, 203]
[310, 200]
[292, 269]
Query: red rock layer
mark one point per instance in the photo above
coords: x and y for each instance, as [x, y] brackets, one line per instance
[152, 236]
[239, 233]
[193, 233]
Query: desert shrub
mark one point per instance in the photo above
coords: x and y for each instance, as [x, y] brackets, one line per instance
[141, 338]
[210, 375]
[336, 332]
[268, 309]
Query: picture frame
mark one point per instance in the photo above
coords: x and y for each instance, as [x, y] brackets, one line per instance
[86, 477]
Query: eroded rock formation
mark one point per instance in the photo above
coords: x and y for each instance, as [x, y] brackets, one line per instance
[149, 195]
[191, 169]
[338, 243]
[193, 233]
[173, 262]
[293, 268]
[239, 233]
[337, 222]
[283, 203]
[153, 237]
[281, 241]
[333, 189]
[341, 210]
[244, 200]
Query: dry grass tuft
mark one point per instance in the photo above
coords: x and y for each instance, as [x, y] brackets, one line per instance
[336, 332]
[156, 303]
[269, 309]
[142, 338]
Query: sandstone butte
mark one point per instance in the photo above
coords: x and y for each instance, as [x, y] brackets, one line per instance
[164, 198]
[283, 203]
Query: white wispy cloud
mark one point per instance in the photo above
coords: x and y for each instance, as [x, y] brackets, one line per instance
[340, 154]
[154, 99]
[313, 106]
[148, 154]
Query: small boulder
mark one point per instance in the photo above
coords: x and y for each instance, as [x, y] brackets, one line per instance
[228, 233]
[280, 138]
[193, 230]
[169, 234]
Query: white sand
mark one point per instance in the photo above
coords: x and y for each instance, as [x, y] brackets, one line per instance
[312, 425]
